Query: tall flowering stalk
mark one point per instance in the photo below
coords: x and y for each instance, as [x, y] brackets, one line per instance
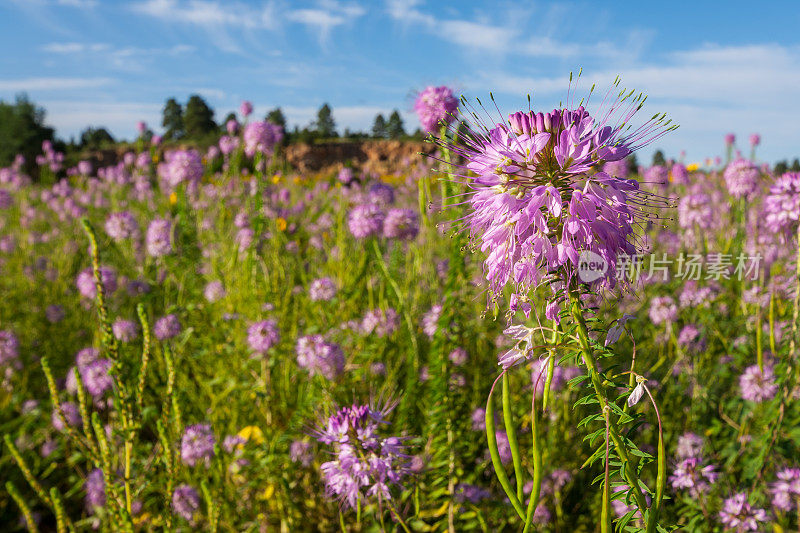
[542, 207]
[437, 109]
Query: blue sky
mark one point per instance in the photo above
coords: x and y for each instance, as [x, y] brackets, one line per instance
[713, 67]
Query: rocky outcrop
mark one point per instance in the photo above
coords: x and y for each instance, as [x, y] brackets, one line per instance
[373, 156]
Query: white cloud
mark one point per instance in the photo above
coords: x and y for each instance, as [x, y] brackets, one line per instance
[708, 91]
[210, 13]
[327, 15]
[52, 84]
[510, 37]
[81, 4]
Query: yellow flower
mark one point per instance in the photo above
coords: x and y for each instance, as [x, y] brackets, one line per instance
[297, 180]
[693, 167]
[267, 493]
[281, 223]
[276, 178]
[252, 433]
[173, 198]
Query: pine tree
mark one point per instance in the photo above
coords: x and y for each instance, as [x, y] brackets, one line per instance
[198, 119]
[781, 167]
[394, 127]
[94, 138]
[379, 127]
[276, 117]
[22, 130]
[173, 120]
[658, 159]
[325, 125]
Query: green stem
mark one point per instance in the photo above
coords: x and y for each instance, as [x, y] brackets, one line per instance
[511, 432]
[491, 441]
[628, 468]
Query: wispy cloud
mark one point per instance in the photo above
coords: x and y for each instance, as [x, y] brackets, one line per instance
[707, 90]
[81, 4]
[52, 84]
[129, 58]
[511, 36]
[209, 13]
[327, 15]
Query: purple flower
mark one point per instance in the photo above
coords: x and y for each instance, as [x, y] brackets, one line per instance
[657, 175]
[86, 356]
[786, 491]
[366, 465]
[430, 320]
[435, 105]
[86, 283]
[541, 199]
[464, 492]
[125, 330]
[618, 169]
[95, 486]
[6, 200]
[300, 452]
[503, 446]
[690, 339]
[782, 205]
[757, 386]
[365, 220]
[381, 194]
[246, 108]
[320, 357]
[458, 356]
[262, 335]
[345, 175]
[692, 475]
[689, 445]
[54, 314]
[621, 508]
[9, 348]
[214, 291]
[561, 375]
[72, 416]
[244, 238]
[181, 166]
[197, 444]
[741, 177]
[96, 378]
[730, 138]
[261, 137]
[478, 419]
[680, 176]
[737, 514]
[381, 323]
[159, 237]
[663, 309]
[121, 226]
[232, 442]
[755, 140]
[402, 224]
[232, 126]
[185, 502]
[695, 209]
[322, 290]
[167, 327]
